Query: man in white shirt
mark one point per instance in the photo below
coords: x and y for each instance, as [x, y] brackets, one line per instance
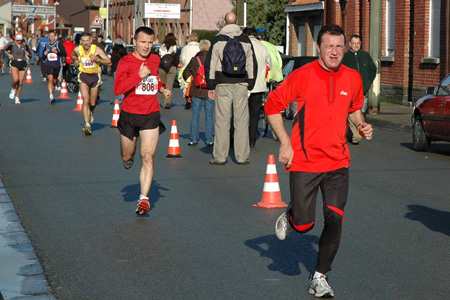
[188, 52]
[3, 43]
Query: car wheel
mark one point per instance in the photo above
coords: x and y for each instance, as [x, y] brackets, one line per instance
[420, 141]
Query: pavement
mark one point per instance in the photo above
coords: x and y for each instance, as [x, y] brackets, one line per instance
[392, 116]
[22, 270]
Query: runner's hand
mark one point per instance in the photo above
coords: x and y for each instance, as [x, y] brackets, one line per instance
[166, 93]
[366, 130]
[144, 70]
[286, 154]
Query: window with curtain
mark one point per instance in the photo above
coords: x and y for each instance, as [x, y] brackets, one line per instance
[435, 28]
[390, 27]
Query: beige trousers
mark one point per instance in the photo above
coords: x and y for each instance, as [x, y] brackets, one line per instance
[231, 103]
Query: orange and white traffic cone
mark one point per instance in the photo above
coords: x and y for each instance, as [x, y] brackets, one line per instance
[64, 94]
[79, 106]
[116, 114]
[29, 79]
[174, 143]
[271, 197]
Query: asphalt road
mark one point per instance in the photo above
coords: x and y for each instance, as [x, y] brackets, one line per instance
[202, 239]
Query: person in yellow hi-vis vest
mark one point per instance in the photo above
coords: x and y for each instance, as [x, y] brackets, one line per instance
[88, 58]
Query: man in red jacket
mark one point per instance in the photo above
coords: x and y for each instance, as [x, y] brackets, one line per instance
[316, 154]
[137, 79]
[69, 46]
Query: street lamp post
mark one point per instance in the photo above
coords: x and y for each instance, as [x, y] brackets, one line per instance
[54, 18]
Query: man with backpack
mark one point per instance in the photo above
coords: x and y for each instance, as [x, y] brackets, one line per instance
[230, 81]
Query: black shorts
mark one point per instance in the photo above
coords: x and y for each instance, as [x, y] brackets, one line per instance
[19, 64]
[91, 80]
[130, 124]
[48, 70]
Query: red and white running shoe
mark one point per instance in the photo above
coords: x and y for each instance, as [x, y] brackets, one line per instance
[143, 206]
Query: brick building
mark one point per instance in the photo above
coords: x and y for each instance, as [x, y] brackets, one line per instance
[415, 39]
[126, 16]
[35, 16]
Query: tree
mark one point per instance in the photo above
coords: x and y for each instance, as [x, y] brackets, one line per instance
[269, 15]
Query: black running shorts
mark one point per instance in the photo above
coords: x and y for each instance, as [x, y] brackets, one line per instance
[52, 71]
[91, 80]
[130, 124]
[19, 64]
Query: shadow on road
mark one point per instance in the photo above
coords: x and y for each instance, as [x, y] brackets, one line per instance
[435, 220]
[131, 193]
[435, 147]
[288, 254]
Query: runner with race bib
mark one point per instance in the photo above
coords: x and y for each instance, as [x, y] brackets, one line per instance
[137, 78]
[53, 52]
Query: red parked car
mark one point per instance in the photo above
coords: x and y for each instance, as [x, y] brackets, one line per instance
[431, 116]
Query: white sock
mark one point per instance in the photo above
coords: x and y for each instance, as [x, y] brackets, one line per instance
[88, 125]
[318, 275]
[142, 197]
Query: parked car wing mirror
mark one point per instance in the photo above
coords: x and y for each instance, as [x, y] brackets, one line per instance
[431, 90]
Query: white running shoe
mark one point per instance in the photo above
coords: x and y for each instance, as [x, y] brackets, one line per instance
[87, 129]
[319, 287]
[17, 100]
[52, 98]
[12, 94]
[282, 227]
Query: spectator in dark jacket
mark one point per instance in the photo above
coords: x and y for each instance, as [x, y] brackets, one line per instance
[360, 60]
[169, 46]
[198, 96]
[118, 51]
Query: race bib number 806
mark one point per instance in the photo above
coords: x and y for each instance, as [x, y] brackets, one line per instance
[148, 86]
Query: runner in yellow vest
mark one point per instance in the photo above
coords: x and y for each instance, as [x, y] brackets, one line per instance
[88, 58]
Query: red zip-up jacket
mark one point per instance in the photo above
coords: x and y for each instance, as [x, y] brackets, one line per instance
[324, 100]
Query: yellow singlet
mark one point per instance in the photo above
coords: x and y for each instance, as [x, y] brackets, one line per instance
[86, 65]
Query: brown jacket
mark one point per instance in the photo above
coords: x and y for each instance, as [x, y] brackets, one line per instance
[191, 69]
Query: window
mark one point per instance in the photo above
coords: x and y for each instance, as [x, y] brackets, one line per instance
[390, 27]
[44, 2]
[301, 38]
[316, 29]
[444, 88]
[435, 28]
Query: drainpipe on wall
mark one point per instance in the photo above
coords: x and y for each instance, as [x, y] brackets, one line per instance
[375, 52]
[190, 17]
[286, 51]
[447, 38]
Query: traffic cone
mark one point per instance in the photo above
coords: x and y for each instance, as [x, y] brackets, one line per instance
[79, 106]
[174, 144]
[271, 197]
[116, 114]
[64, 94]
[29, 79]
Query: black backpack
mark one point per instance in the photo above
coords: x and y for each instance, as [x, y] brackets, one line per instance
[233, 63]
[166, 62]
